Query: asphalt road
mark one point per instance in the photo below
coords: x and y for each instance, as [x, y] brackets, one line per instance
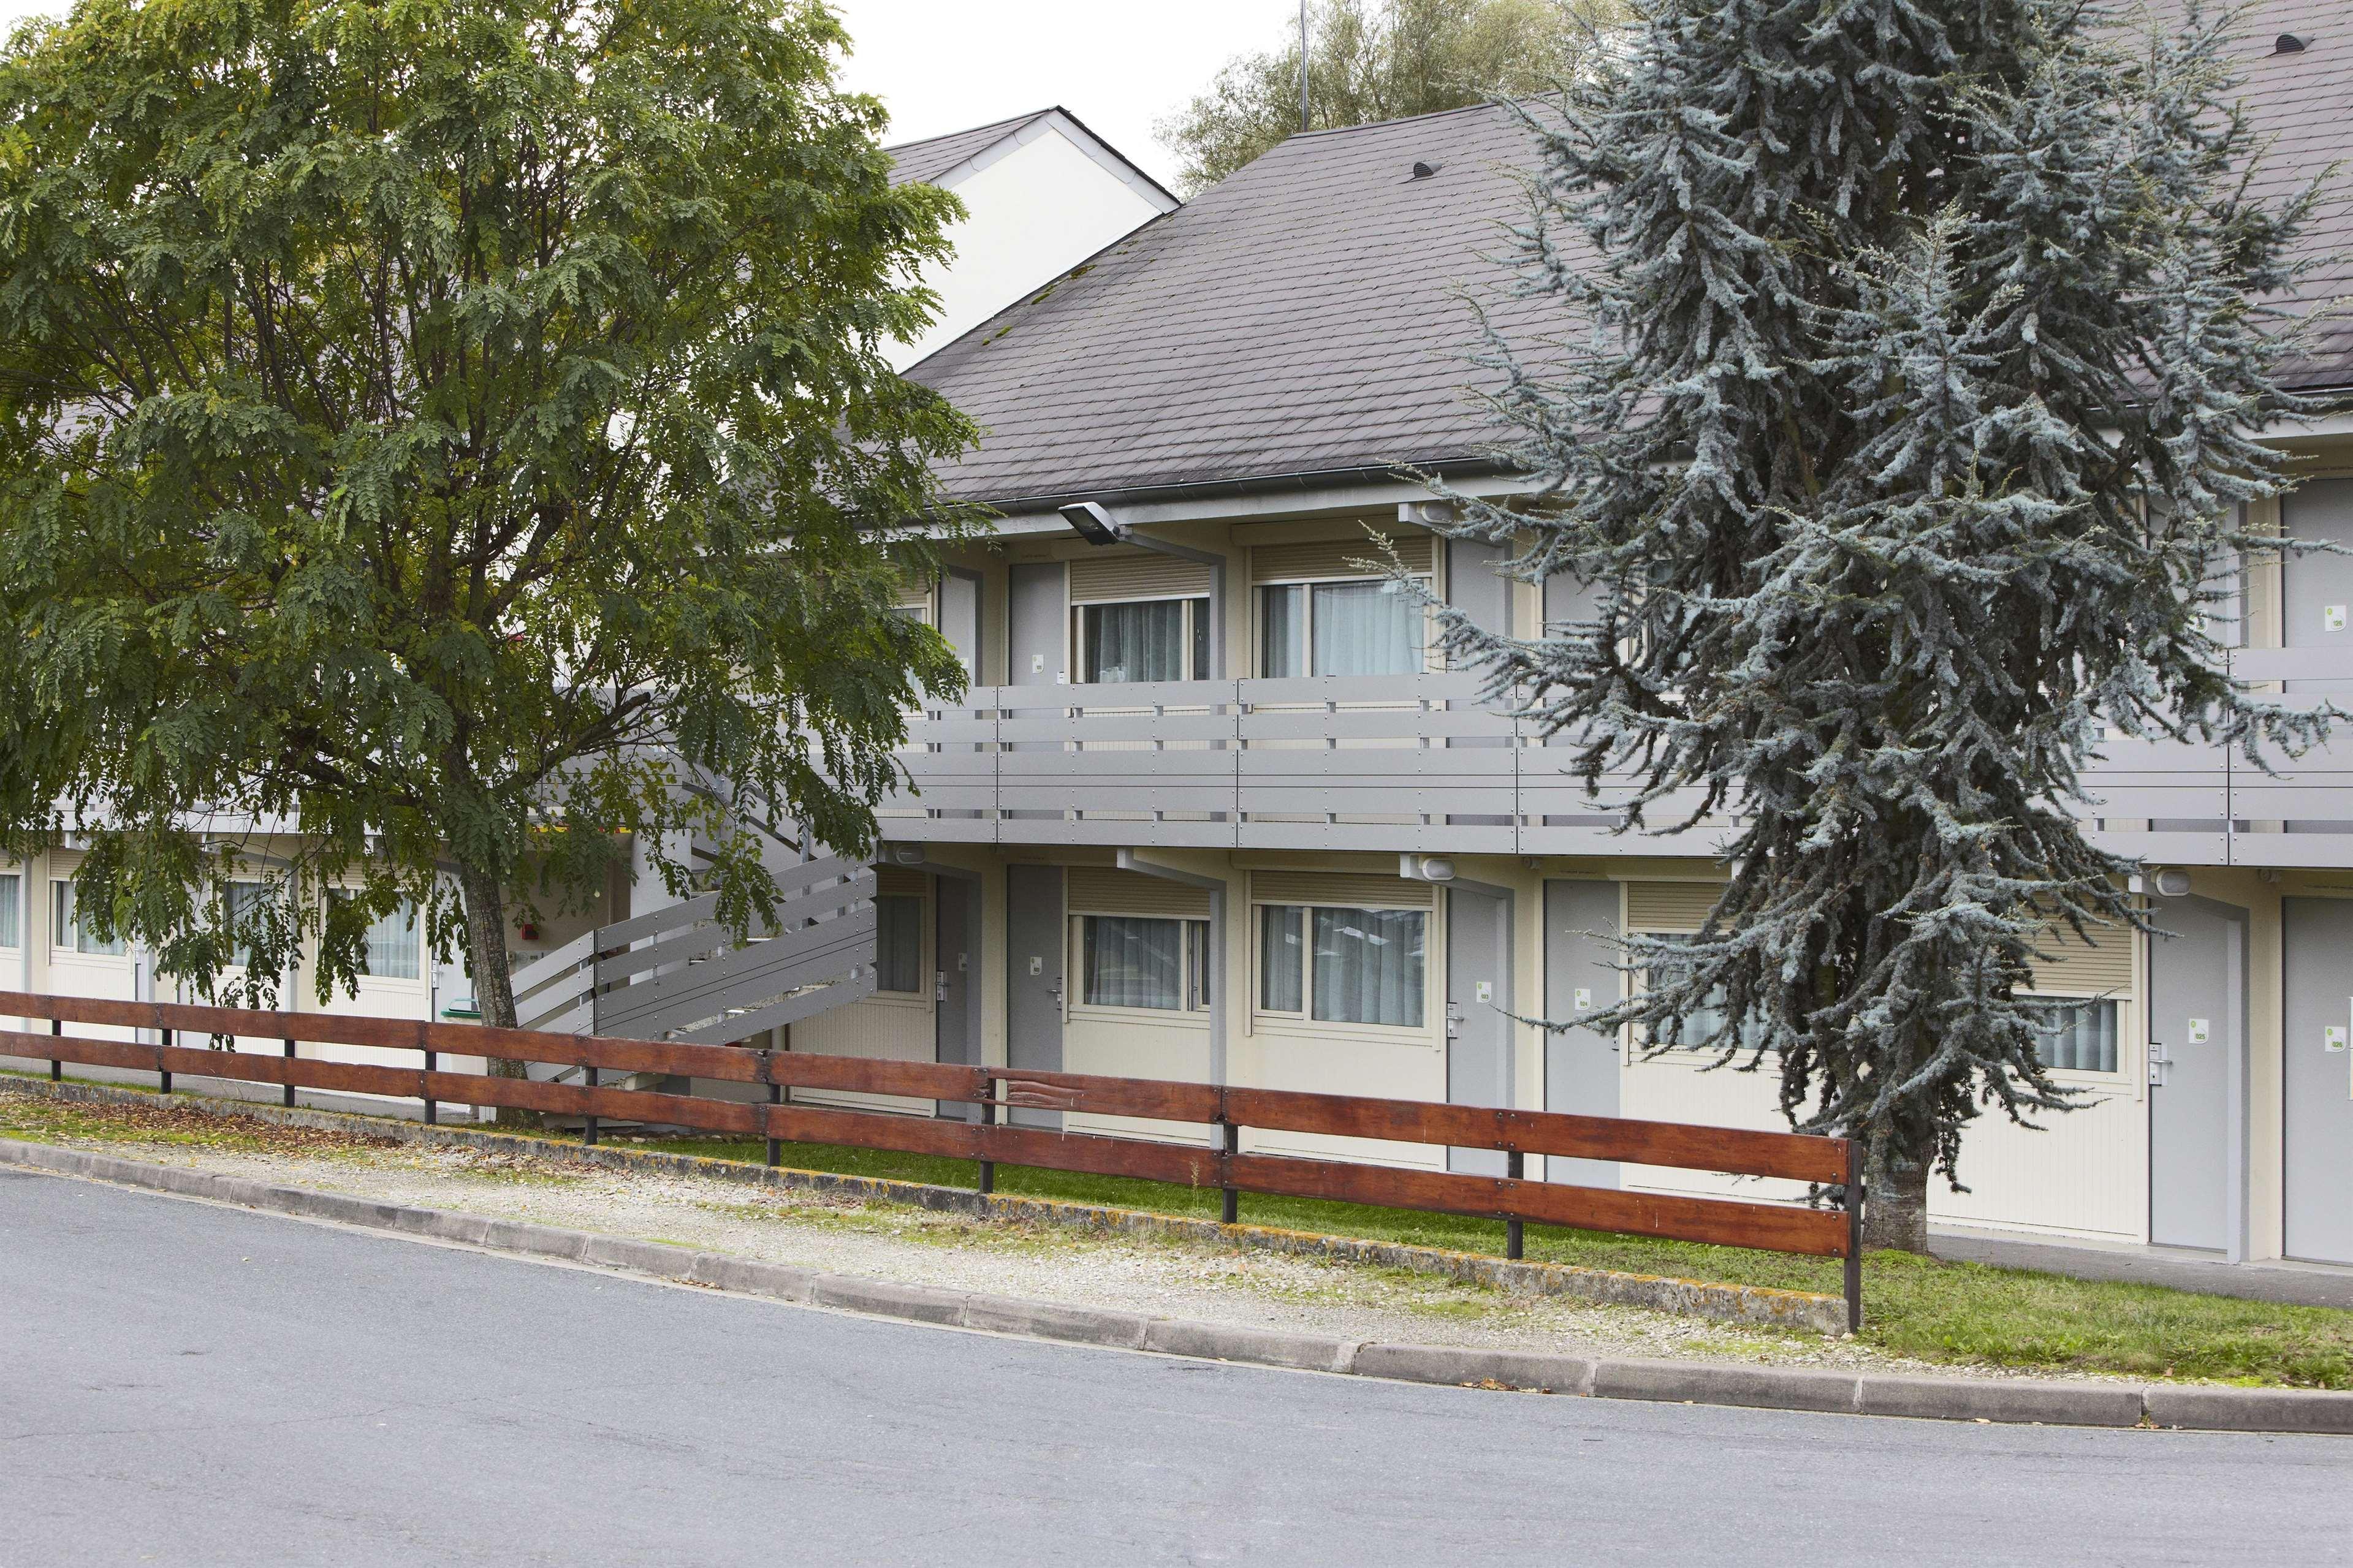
[187, 1384]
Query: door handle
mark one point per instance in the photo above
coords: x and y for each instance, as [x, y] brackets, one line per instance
[2158, 1062]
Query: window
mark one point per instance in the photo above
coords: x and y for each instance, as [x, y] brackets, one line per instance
[899, 943]
[1149, 639]
[71, 932]
[1701, 1026]
[247, 902]
[1196, 965]
[1370, 626]
[1128, 962]
[12, 887]
[389, 950]
[1343, 965]
[1132, 961]
[2083, 1038]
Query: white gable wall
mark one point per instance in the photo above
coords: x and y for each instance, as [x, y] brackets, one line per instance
[1034, 210]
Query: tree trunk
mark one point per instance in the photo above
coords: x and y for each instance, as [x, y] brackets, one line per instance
[486, 950]
[1894, 1196]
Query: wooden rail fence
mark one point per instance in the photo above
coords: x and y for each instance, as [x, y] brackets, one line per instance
[1826, 1163]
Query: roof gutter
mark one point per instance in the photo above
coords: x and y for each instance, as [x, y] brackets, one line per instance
[1306, 478]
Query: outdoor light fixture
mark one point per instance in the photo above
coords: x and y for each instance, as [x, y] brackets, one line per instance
[1425, 868]
[2173, 882]
[1091, 523]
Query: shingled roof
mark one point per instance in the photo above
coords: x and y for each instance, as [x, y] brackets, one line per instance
[913, 162]
[1305, 316]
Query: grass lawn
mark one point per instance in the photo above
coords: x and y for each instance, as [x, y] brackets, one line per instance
[1923, 1307]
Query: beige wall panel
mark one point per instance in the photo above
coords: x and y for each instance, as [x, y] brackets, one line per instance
[1094, 890]
[1669, 906]
[1345, 888]
[880, 1028]
[1117, 574]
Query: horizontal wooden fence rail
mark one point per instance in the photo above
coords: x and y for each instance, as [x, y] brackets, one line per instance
[1827, 1163]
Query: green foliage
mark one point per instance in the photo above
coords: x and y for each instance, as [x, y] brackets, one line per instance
[1385, 59]
[443, 436]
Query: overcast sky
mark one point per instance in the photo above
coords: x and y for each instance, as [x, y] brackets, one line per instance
[1119, 65]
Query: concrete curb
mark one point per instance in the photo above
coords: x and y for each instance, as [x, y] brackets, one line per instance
[1722, 1303]
[2199, 1407]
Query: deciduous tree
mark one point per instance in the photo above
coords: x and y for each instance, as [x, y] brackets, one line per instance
[437, 439]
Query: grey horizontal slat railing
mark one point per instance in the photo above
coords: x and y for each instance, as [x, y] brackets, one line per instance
[675, 972]
[1418, 762]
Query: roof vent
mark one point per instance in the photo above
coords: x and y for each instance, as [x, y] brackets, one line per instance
[2289, 43]
[1423, 171]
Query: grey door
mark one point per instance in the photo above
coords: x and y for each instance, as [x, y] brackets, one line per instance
[1580, 978]
[2316, 590]
[956, 944]
[2318, 1080]
[1033, 985]
[1474, 588]
[2191, 1038]
[1037, 604]
[1478, 1008]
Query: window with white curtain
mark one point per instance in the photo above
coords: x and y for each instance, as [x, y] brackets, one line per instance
[1128, 960]
[71, 932]
[1340, 966]
[390, 950]
[1137, 961]
[1143, 639]
[247, 902]
[1362, 627]
[1701, 1026]
[12, 893]
[2083, 1038]
[899, 943]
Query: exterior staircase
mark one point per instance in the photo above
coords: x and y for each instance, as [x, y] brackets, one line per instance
[678, 974]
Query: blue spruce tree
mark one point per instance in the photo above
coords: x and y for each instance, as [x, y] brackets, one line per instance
[1912, 359]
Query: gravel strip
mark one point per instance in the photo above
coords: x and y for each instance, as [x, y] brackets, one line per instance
[1159, 1277]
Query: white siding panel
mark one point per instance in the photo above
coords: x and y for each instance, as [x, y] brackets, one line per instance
[880, 1028]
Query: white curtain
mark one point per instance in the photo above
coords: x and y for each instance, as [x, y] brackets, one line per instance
[68, 918]
[1369, 966]
[1279, 649]
[1367, 628]
[1136, 642]
[899, 943]
[1281, 961]
[2084, 1039]
[11, 886]
[1134, 963]
[392, 945]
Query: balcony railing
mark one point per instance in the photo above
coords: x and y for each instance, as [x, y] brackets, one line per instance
[1418, 762]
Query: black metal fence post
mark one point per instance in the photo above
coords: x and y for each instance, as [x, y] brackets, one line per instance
[588, 1126]
[290, 1088]
[1230, 1208]
[56, 1067]
[988, 1118]
[776, 1144]
[1515, 1165]
[163, 1074]
[1853, 1238]
[432, 1106]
